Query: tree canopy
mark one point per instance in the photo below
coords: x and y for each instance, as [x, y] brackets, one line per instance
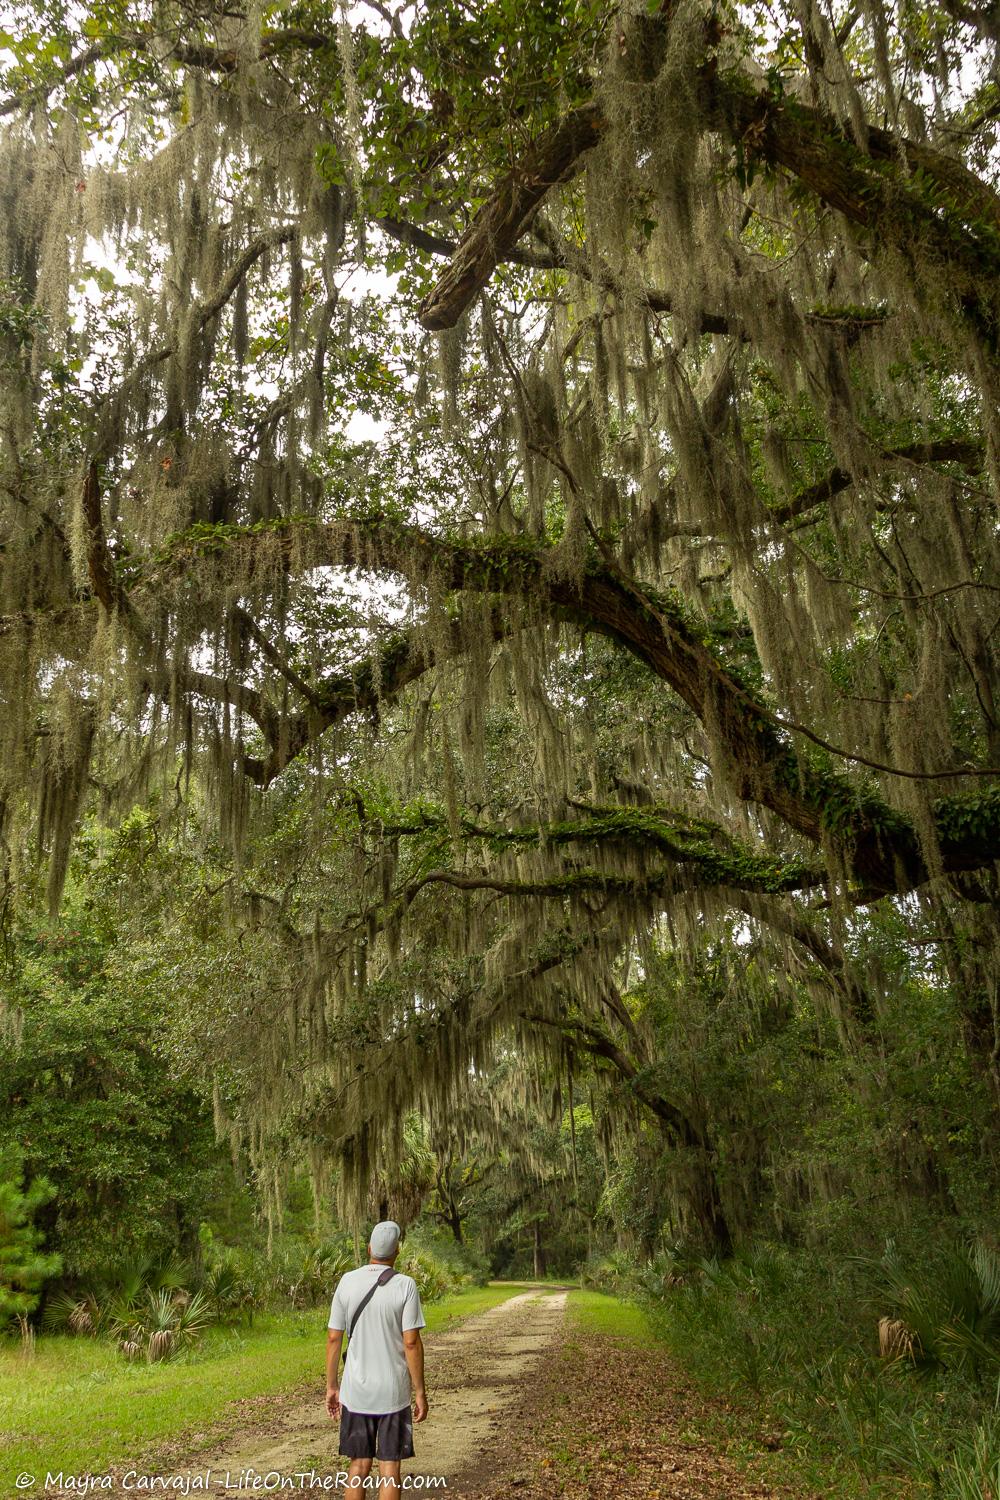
[517, 483]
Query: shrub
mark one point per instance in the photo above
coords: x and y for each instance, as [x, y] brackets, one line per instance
[165, 1324]
[305, 1275]
[466, 1266]
[229, 1292]
[433, 1277]
[939, 1314]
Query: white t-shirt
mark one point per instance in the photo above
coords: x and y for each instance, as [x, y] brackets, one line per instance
[376, 1376]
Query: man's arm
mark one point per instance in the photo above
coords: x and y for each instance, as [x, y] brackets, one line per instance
[413, 1348]
[334, 1342]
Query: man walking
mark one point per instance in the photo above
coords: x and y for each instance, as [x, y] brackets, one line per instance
[380, 1309]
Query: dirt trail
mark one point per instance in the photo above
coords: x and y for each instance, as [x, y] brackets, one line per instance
[473, 1374]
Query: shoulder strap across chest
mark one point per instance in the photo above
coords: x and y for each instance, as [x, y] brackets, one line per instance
[386, 1276]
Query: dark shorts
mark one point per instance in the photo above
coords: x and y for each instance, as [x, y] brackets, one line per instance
[389, 1437]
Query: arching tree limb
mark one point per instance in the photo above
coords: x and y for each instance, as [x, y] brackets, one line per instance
[965, 452]
[880, 844]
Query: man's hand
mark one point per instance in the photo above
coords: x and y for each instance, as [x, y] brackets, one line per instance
[333, 1401]
[419, 1406]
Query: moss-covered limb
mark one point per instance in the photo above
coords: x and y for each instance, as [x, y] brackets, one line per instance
[224, 60]
[789, 922]
[339, 1115]
[690, 871]
[970, 195]
[594, 1039]
[661, 827]
[707, 853]
[966, 452]
[100, 566]
[227, 689]
[880, 845]
[558, 256]
[920, 217]
[680, 1123]
[275, 658]
[373, 682]
[935, 200]
[502, 220]
[210, 308]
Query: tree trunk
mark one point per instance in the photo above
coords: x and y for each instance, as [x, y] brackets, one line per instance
[539, 1253]
[706, 1207]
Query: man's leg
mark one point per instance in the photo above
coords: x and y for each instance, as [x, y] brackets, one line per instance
[395, 1442]
[388, 1473]
[357, 1473]
[357, 1432]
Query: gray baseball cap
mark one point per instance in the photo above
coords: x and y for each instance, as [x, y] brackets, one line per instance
[384, 1240]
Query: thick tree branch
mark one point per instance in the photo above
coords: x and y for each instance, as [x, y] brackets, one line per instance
[881, 845]
[595, 1040]
[696, 874]
[374, 681]
[706, 853]
[100, 566]
[557, 256]
[956, 223]
[793, 924]
[502, 220]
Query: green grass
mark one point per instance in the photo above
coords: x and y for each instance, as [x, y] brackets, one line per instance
[866, 1433]
[596, 1312]
[76, 1405]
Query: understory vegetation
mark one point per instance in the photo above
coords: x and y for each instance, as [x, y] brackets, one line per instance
[891, 1364]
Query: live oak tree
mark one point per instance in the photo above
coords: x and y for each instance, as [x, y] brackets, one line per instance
[667, 590]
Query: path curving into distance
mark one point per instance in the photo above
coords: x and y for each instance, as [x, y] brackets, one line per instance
[475, 1369]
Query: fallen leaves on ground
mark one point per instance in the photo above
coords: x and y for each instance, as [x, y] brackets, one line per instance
[603, 1417]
